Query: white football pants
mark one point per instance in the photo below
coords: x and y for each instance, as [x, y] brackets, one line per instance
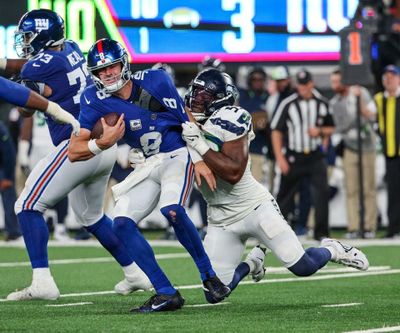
[55, 177]
[225, 244]
[168, 183]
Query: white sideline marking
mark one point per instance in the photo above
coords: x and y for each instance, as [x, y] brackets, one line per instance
[89, 260]
[68, 304]
[378, 330]
[340, 305]
[296, 279]
[169, 243]
[206, 304]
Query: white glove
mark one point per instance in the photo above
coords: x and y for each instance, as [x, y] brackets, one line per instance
[136, 157]
[194, 137]
[62, 116]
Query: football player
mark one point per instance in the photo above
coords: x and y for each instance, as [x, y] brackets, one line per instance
[152, 111]
[240, 207]
[56, 68]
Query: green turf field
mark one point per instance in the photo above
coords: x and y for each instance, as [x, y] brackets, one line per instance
[279, 303]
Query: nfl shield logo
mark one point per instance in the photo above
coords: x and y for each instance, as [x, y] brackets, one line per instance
[136, 124]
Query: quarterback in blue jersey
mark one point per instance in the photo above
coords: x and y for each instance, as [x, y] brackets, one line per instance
[56, 68]
[151, 114]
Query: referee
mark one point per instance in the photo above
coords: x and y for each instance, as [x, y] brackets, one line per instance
[388, 104]
[304, 122]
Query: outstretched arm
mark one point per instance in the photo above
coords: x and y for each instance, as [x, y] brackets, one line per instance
[11, 66]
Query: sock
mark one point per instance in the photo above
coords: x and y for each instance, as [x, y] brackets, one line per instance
[314, 259]
[240, 273]
[142, 253]
[36, 235]
[188, 236]
[41, 273]
[131, 270]
[104, 233]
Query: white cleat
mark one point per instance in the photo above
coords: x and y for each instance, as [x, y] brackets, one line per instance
[39, 289]
[127, 286]
[345, 254]
[257, 257]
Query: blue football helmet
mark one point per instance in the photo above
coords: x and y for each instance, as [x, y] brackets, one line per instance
[38, 30]
[106, 52]
[209, 91]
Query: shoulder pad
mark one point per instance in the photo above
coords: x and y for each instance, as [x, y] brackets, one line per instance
[233, 119]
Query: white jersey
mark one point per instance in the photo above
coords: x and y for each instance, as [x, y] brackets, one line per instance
[231, 203]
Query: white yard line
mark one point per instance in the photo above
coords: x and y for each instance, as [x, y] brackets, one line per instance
[169, 243]
[90, 260]
[68, 304]
[204, 305]
[340, 305]
[295, 279]
[378, 330]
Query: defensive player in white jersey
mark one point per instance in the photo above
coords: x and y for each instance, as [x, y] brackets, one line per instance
[56, 68]
[240, 207]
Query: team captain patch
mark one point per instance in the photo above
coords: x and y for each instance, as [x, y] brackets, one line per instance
[136, 124]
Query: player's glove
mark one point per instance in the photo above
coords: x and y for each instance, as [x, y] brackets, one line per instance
[62, 116]
[136, 157]
[194, 137]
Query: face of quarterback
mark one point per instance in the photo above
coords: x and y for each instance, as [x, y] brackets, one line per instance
[111, 74]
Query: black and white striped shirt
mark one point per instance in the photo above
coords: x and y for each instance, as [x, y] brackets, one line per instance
[296, 115]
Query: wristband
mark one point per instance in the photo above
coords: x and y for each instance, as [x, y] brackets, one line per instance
[3, 63]
[93, 147]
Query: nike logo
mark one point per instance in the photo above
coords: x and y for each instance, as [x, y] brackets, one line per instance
[35, 64]
[173, 156]
[87, 102]
[156, 307]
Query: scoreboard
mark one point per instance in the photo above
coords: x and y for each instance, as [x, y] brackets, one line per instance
[184, 31]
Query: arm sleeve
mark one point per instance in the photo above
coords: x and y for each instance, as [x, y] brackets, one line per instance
[13, 93]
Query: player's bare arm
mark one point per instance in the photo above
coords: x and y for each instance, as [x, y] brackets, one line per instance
[11, 66]
[230, 163]
[81, 147]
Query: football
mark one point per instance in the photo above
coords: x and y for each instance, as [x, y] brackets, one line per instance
[97, 131]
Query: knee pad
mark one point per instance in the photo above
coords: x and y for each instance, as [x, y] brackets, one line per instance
[173, 213]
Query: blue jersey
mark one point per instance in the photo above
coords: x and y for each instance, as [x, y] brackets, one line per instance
[66, 74]
[152, 131]
[13, 93]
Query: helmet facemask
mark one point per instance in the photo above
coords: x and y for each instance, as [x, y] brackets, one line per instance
[199, 102]
[22, 43]
[113, 83]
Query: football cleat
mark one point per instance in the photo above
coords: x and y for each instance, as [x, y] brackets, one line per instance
[214, 290]
[345, 254]
[158, 303]
[39, 289]
[257, 257]
[127, 286]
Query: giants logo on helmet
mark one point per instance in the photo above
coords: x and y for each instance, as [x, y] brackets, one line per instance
[41, 24]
